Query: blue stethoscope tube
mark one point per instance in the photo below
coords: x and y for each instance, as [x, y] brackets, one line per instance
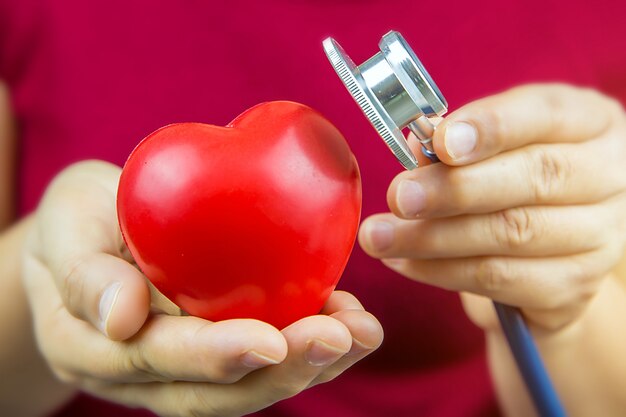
[529, 362]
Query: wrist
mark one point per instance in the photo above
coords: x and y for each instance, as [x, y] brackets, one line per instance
[25, 373]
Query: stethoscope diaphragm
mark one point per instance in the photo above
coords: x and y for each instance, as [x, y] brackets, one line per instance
[395, 91]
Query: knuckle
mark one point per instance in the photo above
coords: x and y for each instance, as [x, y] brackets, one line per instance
[134, 361]
[493, 275]
[576, 288]
[514, 228]
[554, 106]
[549, 173]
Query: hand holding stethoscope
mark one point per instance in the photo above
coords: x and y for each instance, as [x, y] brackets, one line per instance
[519, 212]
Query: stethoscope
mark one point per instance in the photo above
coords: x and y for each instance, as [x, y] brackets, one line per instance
[395, 92]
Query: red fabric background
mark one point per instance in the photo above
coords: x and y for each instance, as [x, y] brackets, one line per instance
[90, 79]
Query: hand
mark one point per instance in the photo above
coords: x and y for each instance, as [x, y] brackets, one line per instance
[528, 207]
[91, 310]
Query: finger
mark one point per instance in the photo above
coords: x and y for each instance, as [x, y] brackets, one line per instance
[539, 175]
[521, 231]
[540, 113]
[109, 293]
[314, 343]
[193, 349]
[534, 283]
[166, 349]
[81, 243]
[480, 311]
[366, 331]
[367, 336]
[341, 300]
[178, 349]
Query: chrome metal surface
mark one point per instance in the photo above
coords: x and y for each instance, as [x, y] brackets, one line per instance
[394, 91]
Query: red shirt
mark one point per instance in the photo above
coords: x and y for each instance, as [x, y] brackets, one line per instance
[89, 79]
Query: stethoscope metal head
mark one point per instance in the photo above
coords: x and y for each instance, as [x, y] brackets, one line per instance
[394, 91]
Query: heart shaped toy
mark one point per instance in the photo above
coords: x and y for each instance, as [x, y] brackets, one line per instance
[253, 220]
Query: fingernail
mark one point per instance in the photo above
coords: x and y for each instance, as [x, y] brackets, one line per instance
[380, 235]
[319, 353]
[358, 347]
[107, 301]
[460, 139]
[410, 197]
[254, 359]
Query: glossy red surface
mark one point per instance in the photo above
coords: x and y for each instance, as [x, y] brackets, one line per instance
[256, 219]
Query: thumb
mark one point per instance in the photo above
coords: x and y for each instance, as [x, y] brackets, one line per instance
[78, 239]
[106, 291]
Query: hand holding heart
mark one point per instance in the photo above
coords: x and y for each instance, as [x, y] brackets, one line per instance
[529, 209]
[91, 309]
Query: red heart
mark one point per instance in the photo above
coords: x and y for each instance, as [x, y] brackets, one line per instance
[256, 219]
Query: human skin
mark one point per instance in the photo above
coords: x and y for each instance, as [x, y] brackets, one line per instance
[485, 227]
[7, 159]
[528, 208]
[62, 334]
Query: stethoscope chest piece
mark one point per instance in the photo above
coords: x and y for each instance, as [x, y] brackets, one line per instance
[394, 91]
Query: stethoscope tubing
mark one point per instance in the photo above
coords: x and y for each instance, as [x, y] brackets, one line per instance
[526, 355]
